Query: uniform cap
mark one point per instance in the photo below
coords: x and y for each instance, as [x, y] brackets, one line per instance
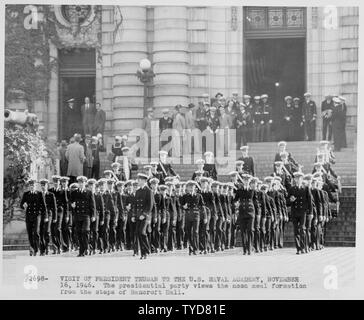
[123, 149]
[243, 148]
[287, 98]
[128, 182]
[307, 176]
[234, 93]
[215, 183]
[150, 109]
[154, 163]
[81, 178]
[63, 179]
[117, 138]
[200, 161]
[316, 164]
[101, 181]
[278, 163]
[91, 181]
[324, 142]
[264, 186]
[246, 176]
[43, 181]
[257, 98]
[254, 179]
[336, 100]
[199, 172]
[147, 167]
[142, 176]
[70, 100]
[296, 99]
[264, 96]
[134, 182]
[307, 94]
[163, 152]
[208, 153]
[74, 186]
[213, 108]
[232, 173]
[165, 110]
[191, 182]
[119, 183]
[246, 96]
[317, 175]
[56, 177]
[205, 95]
[239, 162]
[115, 165]
[277, 179]
[153, 181]
[298, 174]
[268, 179]
[282, 143]
[108, 172]
[230, 185]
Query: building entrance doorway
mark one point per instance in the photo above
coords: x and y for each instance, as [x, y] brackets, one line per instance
[77, 80]
[275, 67]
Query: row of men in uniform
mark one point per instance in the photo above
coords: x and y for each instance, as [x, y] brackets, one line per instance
[107, 215]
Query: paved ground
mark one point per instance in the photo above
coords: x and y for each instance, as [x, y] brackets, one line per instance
[311, 268]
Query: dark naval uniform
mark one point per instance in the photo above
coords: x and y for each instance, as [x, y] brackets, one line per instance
[33, 213]
[109, 213]
[248, 166]
[210, 168]
[122, 220]
[60, 234]
[49, 219]
[309, 116]
[144, 200]
[98, 224]
[248, 203]
[84, 212]
[326, 109]
[156, 222]
[166, 170]
[299, 208]
[194, 209]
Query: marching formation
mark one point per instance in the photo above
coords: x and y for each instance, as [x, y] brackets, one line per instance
[158, 212]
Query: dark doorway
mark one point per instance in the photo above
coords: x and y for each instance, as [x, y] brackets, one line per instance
[275, 67]
[77, 89]
[77, 78]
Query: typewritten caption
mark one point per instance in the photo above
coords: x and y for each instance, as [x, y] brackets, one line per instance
[168, 285]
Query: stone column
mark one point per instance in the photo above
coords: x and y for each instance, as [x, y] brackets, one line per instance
[170, 58]
[130, 46]
[323, 60]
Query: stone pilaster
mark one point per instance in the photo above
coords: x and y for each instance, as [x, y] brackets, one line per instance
[170, 57]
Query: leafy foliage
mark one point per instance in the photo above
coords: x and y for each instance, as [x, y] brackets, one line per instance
[22, 146]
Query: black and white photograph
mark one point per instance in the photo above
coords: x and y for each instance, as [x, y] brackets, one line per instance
[183, 150]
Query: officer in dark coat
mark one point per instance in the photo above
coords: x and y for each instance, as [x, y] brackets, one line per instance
[83, 203]
[327, 107]
[266, 116]
[287, 125]
[200, 171]
[247, 200]
[297, 120]
[144, 200]
[61, 194]
[248, 165]
[309, 117]
[34, 206]
[300, 199]
[97, 226]
[164, 168]
[339, 123]
[209, 165]
[155, 216]
[49, 218]
[193, 203]
[122, 216]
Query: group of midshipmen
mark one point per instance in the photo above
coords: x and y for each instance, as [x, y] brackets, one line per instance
[158, 212]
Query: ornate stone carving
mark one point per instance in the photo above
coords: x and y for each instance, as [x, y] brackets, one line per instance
[294, 18]
[275, 18]
[256, 18]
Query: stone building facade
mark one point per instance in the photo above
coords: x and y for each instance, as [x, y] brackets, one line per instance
[196, 50]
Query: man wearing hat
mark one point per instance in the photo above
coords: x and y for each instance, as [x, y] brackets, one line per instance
[119, 198]
[62, 200]
[248, 162]
[155, 173]
[192, 203]
[309, 115]
[130, 210]
[200, 171]
[156, 216]
[243, 125]
[83, 203]
[98, 225]
[266, 115]
[163, 167]
[189, 117]
[327, 107]
[339, 123]
[75, 156]
[147, 126]
[297, 120]
[213, 122]
[257, 118]
[49, 220]
[116, 148]
[209, 165]
[172, 209]
[61, 195]
[144, 200]
[115, 166]
[201, 117]
[282, 148]
[34, 206]
[166, 122]
[235, 100]
[88, 112]
[300, 199]
[287, 129]
[97, 146]
[247, 200]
